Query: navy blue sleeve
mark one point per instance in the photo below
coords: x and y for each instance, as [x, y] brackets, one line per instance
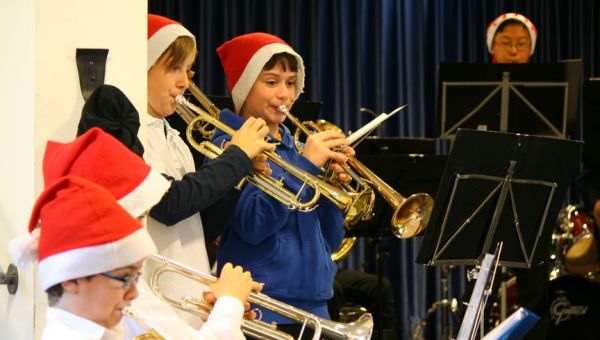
[200, 189]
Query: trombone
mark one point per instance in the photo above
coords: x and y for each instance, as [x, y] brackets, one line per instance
[358, 330]
[355, 205]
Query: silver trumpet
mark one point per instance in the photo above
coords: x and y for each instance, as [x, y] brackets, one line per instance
[360, 329]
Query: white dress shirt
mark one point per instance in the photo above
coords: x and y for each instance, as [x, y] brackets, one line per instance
[184, 241]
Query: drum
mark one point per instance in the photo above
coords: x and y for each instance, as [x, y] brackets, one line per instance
[574, 245]
[574, 308]
[511, 300]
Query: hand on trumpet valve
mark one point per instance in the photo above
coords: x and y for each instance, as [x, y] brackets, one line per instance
[251, 137]
[337, 167]
[319, 147]
[260, 164]
[234, 282]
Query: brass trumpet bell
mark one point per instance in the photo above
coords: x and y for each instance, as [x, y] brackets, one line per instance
[412, 215]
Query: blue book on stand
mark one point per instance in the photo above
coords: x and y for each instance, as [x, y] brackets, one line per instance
[515, 326]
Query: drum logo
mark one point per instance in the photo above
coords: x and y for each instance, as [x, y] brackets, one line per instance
[562, 310]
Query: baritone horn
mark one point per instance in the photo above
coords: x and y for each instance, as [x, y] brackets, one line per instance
[358, 330]
[411, 214]
[355, 205]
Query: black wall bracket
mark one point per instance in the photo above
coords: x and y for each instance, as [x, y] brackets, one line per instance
[91, 65]
[10, 278]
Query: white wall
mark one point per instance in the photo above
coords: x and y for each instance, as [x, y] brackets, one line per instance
[61, 27]
[17, 112]
[41, 99]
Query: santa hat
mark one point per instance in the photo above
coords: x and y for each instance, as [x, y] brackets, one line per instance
[243, 58]
[82, 232]
[102, 159]
[162, 32]
[493, 27]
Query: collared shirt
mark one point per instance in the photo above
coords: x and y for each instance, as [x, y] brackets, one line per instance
[224, 323]
[64, 325]
[184, 241]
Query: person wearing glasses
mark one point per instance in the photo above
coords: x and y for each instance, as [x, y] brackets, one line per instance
[99, 157]
[90, 252]
[511, 39]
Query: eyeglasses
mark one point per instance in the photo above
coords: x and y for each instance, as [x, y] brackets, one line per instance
[126, 279]
[520, 46]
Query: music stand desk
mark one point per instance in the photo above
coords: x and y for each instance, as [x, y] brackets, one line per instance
[499, 187]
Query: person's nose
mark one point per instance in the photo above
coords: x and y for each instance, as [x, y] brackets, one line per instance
[133, 292]
[183, 83]
[283, 92]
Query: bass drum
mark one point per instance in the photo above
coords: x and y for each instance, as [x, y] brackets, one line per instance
[574, 308]
[574, 243]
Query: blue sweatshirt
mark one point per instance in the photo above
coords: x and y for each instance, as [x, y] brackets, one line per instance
[288, 250]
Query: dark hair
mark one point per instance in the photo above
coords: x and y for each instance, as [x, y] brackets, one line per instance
[178, 51]
[284, 59]
[509, 22]
[56, 292]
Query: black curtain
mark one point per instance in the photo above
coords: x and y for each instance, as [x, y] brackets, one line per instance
[380, 55]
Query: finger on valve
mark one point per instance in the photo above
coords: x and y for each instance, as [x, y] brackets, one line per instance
[234, 281]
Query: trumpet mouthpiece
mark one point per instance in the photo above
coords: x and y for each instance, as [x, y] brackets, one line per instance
[283, 109]
[180, 99]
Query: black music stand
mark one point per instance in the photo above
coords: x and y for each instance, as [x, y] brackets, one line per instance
[498, 187]
[538, 98]
[408, 173]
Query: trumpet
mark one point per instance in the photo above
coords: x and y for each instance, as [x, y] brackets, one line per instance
[149, 334]
[411, 214]
[355, 205]
[206, 129]
[358, 330]
[203, 122]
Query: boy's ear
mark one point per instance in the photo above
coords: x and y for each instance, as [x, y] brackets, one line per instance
[71, 286]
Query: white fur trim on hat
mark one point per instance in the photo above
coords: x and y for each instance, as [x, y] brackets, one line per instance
[162, 39]
[493, 26]
[24, 248]
[146, 194]
[82, 262]
[256, 64]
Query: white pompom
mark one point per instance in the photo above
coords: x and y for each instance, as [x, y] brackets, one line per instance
[24, 248]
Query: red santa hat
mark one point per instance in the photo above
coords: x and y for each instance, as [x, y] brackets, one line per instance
[162, 32]
[243, 58]
[493, 27]
[82, 232]
[102, 159]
